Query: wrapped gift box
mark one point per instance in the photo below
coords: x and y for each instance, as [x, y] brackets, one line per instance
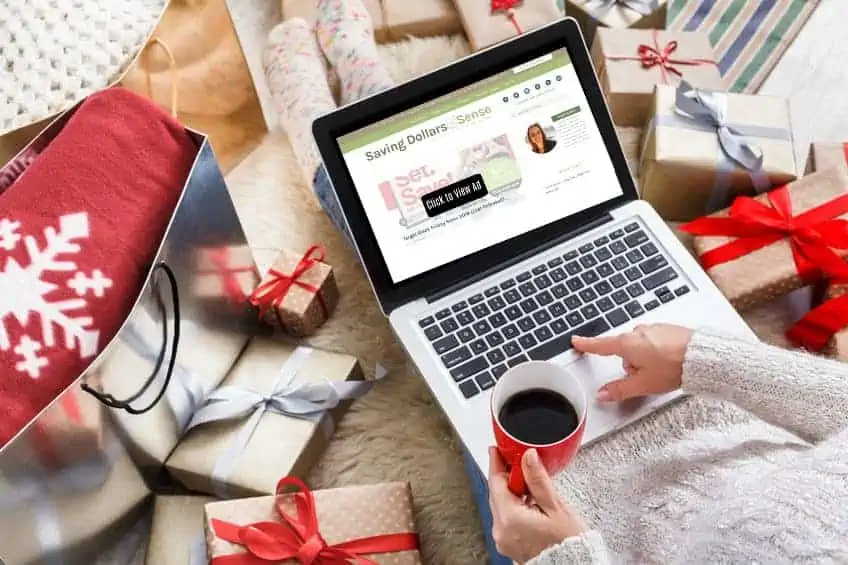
[69, 517]
[750, 270]
[617, 14]
[343, 515]
[299, 292]
[177, 535]
[204, 358]
[244, 454]
[629, 62]
[827, 155]
[483, 28]
[685, 171]
[838, 345]
[393, 20]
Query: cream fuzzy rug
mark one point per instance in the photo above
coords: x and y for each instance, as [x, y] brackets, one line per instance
[397, 432]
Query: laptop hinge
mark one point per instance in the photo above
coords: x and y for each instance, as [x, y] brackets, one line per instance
[589, 226]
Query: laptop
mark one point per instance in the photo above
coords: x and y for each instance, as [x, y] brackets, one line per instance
[493, 210]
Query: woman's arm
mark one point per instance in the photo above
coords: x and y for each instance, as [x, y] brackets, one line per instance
[585, 549]
[802, 393]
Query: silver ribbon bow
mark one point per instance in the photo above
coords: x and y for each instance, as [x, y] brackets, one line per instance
[700, 110]
[705, 108]
[185, 393]
[303, 401]
[600, 8]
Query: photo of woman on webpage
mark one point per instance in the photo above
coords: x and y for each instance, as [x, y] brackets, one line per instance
[539, 142]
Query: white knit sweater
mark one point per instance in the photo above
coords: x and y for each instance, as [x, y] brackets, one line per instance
[762, 480]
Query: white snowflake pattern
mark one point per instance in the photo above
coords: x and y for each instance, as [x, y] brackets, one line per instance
[24, 292]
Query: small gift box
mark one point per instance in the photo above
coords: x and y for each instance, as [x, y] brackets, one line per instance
[226, 273]
[617, 14]
[701, 149]
[70, 516]
[629, 62]
[364, 524]
[204, 357]
[768, 246]
[275, 412]
[827, 155]
[177, 535]
[487, 22]
[298, 293]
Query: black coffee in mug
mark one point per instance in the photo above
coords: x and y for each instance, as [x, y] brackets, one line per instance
[538, 416]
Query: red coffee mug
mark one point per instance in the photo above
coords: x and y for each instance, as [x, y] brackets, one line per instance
[554, 456]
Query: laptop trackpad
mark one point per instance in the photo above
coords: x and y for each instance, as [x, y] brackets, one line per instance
[594, 371]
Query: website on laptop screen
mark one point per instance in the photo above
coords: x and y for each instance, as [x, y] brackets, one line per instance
[479, 166]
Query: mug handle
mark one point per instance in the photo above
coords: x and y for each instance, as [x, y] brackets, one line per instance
[516, 483]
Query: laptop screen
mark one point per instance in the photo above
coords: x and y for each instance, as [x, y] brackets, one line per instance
[479, 166]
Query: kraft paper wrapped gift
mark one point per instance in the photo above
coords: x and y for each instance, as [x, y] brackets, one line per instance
[827, 155]
[701, 149]
[177, 535]
[393, 20]
[204, 357]
[617, 14]
[382, 512]
[629, 62]
[274, 414]
[838, 343]
[299, 292]
[71, 516]
[484, 28]
[762, 247]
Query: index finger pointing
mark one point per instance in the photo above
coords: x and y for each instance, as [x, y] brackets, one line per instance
[609, 345]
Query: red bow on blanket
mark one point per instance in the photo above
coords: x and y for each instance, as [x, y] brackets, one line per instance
[271, 293]
[652, 56]
[298, 537]
[813, 235]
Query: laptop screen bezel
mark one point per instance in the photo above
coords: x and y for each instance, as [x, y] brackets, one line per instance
[476, 67]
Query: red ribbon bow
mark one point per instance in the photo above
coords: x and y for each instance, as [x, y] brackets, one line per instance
[297, 537]
[652, 56]
[271, 293]
[813, 235]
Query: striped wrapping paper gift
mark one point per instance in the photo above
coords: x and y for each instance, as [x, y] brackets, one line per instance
[749, 36]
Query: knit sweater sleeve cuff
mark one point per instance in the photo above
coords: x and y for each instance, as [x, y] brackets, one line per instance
[585, 549]
[703, 367]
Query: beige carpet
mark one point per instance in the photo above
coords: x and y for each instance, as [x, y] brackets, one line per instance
[396, 432]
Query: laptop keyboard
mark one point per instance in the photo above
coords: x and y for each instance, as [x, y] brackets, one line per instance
[587, 291]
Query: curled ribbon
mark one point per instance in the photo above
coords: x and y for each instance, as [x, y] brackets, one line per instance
[508, 8]
[815, 330]
[813, 235]
[270, 294]
[652, 56]
[298, 537]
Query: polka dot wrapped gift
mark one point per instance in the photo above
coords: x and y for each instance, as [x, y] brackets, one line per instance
[369, 525]
[764, 247]
[825, 328]
[299, 292]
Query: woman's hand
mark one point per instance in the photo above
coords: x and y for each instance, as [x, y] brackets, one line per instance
[522, 529]
[652, 357]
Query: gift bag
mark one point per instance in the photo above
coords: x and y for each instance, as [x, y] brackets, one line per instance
[165, 323]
